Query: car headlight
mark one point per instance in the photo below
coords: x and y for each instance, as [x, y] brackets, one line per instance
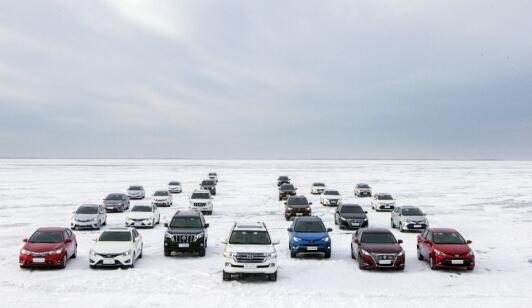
[297, 239]
[325, 239]
[343, 218]
[92, 253]
[365, 253]
[366, 219]
[94, 219]
[402, 253]
[199, 235]
[439, 253]
[168, 235]
[56, 252]
[229, 254]
[470, 253]
[24, 252]
[127, 253]
[272, 255]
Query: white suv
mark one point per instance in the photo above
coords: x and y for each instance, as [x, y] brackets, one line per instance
[201, 200]
[249, 250]
[317, 188]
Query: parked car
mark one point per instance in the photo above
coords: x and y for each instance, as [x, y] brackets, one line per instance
[116, 247]
[201, 200]
[175, 187]
[136, 192]
[116, 202]
[330, 197]
[317, 188]
[162, 198]
[88, 216]
[383, 202]
[209, 185]
[213, 176]
[48, 247]
[350, 216]
[286, 190]
[283, 180]
[377, 248]
[186, 232]
[297, 206]
[445, 248]
[143, 215]
[362, 190]
[408, 218]
[250, 250]
[308, 235]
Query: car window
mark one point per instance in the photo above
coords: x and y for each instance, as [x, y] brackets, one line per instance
[412, 212]
[87, 210]
[448, 238]
[250, 237]
[309, 226]
[331, 193]
[186, 222]
[351, 209]
[141, 208]
[378, 238]
[115, 236]
[161, 193]
[46, 237]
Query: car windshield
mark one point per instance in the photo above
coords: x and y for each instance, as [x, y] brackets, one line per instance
[185, 222]
[115, 236]
[46, 237]
[319, 184]
[297, 201]
[385, 197]
[250, 237]
[352, 209]
[200, 196]
[378, 238]
[87, 210]
[174, 183]
[411, 212]
[161, 193]
[141, 208]
[287, 187]
[331, 193]
[363, 186]
[212, 174]
[207, 183]
[283, 178]
[135, 188]
[309, 226]
[448, 238]
[114, 197]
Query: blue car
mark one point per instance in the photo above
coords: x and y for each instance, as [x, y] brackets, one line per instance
[308, 235]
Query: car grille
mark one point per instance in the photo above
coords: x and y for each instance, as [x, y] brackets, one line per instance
[39, 254]
[109, 255]
[200, 204]
[184, 238]
[359, 221]
[139, 219]
[249, 257]
[83, 220]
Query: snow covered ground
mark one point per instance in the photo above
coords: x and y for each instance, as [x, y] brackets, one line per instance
[489, 202]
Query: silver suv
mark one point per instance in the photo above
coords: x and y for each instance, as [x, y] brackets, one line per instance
[88, 216]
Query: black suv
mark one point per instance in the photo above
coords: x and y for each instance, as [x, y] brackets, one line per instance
[350, 216]
[286, 190]
[283, 180]
[297, 206]
[209, 185]
[186, 232]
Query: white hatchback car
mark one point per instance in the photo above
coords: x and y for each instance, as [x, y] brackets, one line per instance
[162, 198]
[143, 215]
[116, 247]
[201, 200]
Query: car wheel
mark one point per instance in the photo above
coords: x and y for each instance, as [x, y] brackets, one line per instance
[360, 266]
[272, 277]
[75, 254]
[335, 220]
[470, 268]
[104, 222]
[432, 264]
[167, 252]
[341, 226]
[64, 261]
[141, 249]
[401, 227]
[92, 266]
[328, 255]
[226, 276]
[353, 253]
[419, 256]
[392, 224]
[201, 252]
[132, 262]
[293, 254]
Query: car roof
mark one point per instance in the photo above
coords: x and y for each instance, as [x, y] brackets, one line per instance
[442, 230]
[89, 205]
[375, 230]
[51, 229]
[187, 213]
[136, 186]
[308, 218]
[111, 194]
[351, 205]
[117, 229]
[298, 196]
[249, 226]
[363, 184]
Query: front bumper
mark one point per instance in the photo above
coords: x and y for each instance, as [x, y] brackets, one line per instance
[26, 261]
[290, 214]
[200, 206]
[269, 266]
[449, 262]
[414, 226]
[110, 260]
[307, 247]
[162, 202]
[183, 247]
[135, 196]
[74, 224]
[363, 193]
[385, 207]
[373, 261]
[331, 202]
[139, 223]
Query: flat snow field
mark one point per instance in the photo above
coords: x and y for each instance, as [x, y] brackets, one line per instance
[489, 202]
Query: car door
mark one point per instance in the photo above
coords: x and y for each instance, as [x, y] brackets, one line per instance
[396, 216]
[424, 246]
[68, 243]
[337, 213]
[103, 214]
[137, 242]
[356, 246]
[156, 213]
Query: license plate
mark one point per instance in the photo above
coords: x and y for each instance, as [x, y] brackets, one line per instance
[38, 260]
[417, 226]
[355, 224]
[108, 261]
[299, 214]
[457, 261]
[184, 245]
[385, 262]
[250, 266]
[312, 248]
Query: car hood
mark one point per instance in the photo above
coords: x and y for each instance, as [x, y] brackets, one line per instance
[134, 191]
[414, 218]
[140, 215]
[85, 216]
[42, 247]
[386, 201]
[161, 197]
[332, 197]
[200, 200]
[352, 215]
[311, 236]
[105, 201]
[184, 230]
[249, 248]
[382, 248]
[111, 247]
[453, 249]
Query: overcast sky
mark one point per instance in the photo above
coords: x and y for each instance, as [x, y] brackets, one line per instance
[266, 79]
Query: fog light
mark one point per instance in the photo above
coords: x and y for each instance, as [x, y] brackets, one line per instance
[272, 264]
[227, 264]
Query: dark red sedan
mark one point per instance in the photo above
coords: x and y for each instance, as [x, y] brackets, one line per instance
[48, 247]
[377, 248]
[445, 248]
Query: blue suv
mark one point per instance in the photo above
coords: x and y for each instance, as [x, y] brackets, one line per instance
[308, 235]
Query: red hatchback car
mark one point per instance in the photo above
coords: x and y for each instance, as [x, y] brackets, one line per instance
[48, 247]
[445, 248]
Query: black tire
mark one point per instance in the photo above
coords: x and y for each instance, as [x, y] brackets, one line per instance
[64, 261]
[201, 252]
[132, 262]
[431, 263]
[75, 254]
[360, 267]
[92, 266]
[293, 254]
[272, 277]
[391, 223]
[341, 226]
[167, 252]
[141, 250]
[226, 276]
[328, 255]
[335, 220]
[353, 254]
[419, 256]
[105, 222]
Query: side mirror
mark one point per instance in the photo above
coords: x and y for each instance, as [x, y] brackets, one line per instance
[290, 229]
[68, 241]
[276, 242]
[356, 241]
[286, 202]
[329, 229]
[365, 212]
[25, 240]
[224, 242]
[310, 203]
[166, 225]
[206, 225]
[469, 242]
[399, 241]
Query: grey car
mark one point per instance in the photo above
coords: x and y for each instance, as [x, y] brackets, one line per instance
[136, 192]
[116, 202]
[408, 218]
[88, 216]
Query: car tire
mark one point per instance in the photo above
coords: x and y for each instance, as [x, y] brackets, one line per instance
[141, 250]
[431, 263]
[226, 276]
[272, 277]
[201, 252]
[392, 224]
[75, 254]
[335, 220]
[470, 268]
[327, 255]
[64, 261]
[132, 262]
[419, 256]
[401, 227]
[360, 267]
[167, 252]
[341, 226]
[293, 254]
[353, 254]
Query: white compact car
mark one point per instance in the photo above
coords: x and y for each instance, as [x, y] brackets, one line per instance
[143, 215]
[116, 247]
[362, 190]
[383, 202]
[409, 218]
[162, 198]
[249, 250]
[136, 192]
[201, 200]
[330, 197]
[317, 188]
[88, 216]
[175, 187]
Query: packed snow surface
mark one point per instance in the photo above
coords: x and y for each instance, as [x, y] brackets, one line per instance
[489, 202]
